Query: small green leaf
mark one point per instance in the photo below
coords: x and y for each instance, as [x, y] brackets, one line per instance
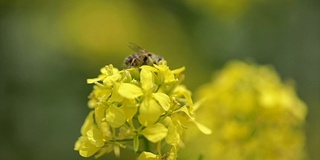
[136, 143]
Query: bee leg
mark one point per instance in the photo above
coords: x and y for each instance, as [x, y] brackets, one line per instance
[136, 62]
[150, 61]
[133, 62]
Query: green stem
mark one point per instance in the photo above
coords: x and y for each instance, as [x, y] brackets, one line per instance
[146, 144]
[159, 149]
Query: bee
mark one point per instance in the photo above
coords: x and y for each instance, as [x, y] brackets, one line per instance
[142, 57]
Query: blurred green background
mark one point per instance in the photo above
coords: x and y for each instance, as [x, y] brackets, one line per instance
[49, 48]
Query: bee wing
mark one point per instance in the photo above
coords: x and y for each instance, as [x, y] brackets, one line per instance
[136, 48]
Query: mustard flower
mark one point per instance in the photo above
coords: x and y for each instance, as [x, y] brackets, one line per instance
[137, 108]
[252, 114]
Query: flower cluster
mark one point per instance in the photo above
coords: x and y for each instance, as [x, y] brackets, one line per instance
[134, 107]
[256, 116]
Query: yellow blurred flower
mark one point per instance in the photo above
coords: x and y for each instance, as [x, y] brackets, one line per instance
[146, 104]
[252, 114]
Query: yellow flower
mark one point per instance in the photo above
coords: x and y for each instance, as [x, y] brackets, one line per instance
[148, 156]
[253, 115]
[146, 104]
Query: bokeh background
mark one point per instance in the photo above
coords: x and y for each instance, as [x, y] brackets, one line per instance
[49, 48]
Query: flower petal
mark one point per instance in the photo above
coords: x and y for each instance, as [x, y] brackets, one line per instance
[149, 68]
[202, 128]
[173, 136]
[155, 133]
[163, 100]
[85, 147]
[149, 112]
[115, 96]
[146, 79]
[167, 74]
[130, 108]
[173, 153]
[99, 114]
[108, 81]
[148, 156]
[129, 91]
[185, 110]
[179, 70]
[92, 80]
[115, 116]
[88, 122]
[95, 136]
[181, 90]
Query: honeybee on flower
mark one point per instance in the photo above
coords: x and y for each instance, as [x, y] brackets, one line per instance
[142, 57]
[145, 103]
